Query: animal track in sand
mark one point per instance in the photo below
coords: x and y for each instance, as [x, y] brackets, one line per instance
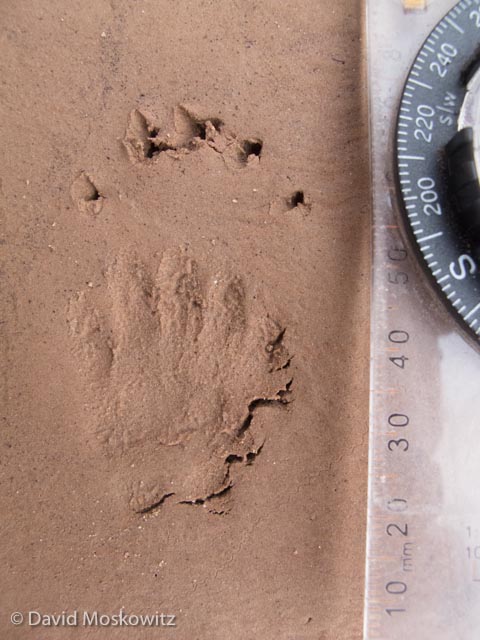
[295, 202]
[177, 364]
[86, 195]
[145, 140]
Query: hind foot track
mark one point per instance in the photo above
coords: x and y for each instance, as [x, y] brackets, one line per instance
[177, 363]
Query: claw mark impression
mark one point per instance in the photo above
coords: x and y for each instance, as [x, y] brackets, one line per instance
[177, 365]
[295, 202]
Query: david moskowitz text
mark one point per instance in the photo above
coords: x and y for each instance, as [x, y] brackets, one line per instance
[98, 619]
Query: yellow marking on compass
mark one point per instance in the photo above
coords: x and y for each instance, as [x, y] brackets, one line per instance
[414, 5]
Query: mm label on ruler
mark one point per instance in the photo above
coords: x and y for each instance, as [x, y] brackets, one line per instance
[423, 522]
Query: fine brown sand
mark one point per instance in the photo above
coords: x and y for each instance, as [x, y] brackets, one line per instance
[185, 269]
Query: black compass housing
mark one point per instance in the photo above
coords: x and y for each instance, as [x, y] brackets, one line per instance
[464, 185]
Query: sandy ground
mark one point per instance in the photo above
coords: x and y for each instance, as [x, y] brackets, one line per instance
[185, 247]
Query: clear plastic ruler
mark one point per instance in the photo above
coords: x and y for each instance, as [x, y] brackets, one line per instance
[423, 532]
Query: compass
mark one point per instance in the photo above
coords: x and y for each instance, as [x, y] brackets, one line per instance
[438, 158]
[423, 508]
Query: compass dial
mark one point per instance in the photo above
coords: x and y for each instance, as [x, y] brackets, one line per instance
[438, 157]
